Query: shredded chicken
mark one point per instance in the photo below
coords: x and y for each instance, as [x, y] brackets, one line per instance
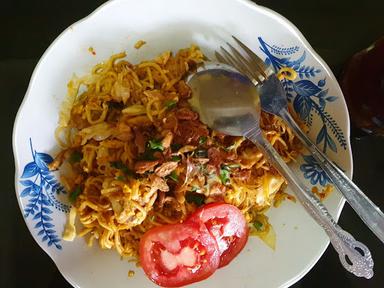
[166, 168]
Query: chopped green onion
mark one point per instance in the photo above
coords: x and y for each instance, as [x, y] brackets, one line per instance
[155, 145]
[75, 193]
[75, 157]
[120, 165]
[196, 198]
[224, 175]
[120, 178]
[176, 158]
[202, 140]
[173, 176]
[170, 104]
[258, 225]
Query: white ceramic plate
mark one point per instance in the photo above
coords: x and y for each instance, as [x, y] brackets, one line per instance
[170, 25]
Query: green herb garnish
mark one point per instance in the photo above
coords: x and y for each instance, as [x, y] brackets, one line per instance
[120, 165]
[75, 193]
[196, 198]
[155, 145]
[170, 104]
[258, 225]
[224, 174]
[202, 140]
[120, 178]
[173, 176]
[75, 157]
[152, 146]
[176, 158]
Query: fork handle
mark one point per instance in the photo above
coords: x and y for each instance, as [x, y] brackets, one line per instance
[359, 261]
[364, 207]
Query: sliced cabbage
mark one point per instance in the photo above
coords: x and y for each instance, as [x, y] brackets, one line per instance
[135, 110]
[98, 132]
[69, 233]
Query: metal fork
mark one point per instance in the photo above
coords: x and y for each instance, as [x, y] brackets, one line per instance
[354, 255]
[273, 100]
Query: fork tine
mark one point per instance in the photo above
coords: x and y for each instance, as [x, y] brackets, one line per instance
[239, 66]
[232, 61]
[256, 59]
[220, 58]
[256, 73]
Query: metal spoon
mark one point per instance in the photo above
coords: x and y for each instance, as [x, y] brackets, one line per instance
[227, 101]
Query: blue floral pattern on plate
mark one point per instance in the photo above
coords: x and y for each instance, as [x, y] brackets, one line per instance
[313, 172]
[309, 97]
[41, 188]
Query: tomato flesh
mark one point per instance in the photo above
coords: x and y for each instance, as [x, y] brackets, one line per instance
[179, 254]
[227, 224]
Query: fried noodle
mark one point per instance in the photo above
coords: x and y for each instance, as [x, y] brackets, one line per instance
[135, 156]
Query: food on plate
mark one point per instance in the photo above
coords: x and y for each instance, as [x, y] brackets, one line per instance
[178, 254]
[174, 255]
[139, 44]
[226, 223]
[137, 164]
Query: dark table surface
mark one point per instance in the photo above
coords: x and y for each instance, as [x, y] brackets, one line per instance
[336, 29]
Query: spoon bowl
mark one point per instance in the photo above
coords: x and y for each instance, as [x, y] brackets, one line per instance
[236, 100]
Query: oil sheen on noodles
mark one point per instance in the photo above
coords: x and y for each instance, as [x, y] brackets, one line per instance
[135, 156]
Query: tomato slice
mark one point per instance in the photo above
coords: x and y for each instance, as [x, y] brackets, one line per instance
[227, 224]
[178, 254]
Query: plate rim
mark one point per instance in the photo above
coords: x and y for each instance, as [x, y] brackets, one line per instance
[251, 5]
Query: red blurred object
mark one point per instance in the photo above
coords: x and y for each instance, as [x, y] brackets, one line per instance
[362, 82]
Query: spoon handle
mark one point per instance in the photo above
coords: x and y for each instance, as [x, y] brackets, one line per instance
[354, 256]
[364, 207]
